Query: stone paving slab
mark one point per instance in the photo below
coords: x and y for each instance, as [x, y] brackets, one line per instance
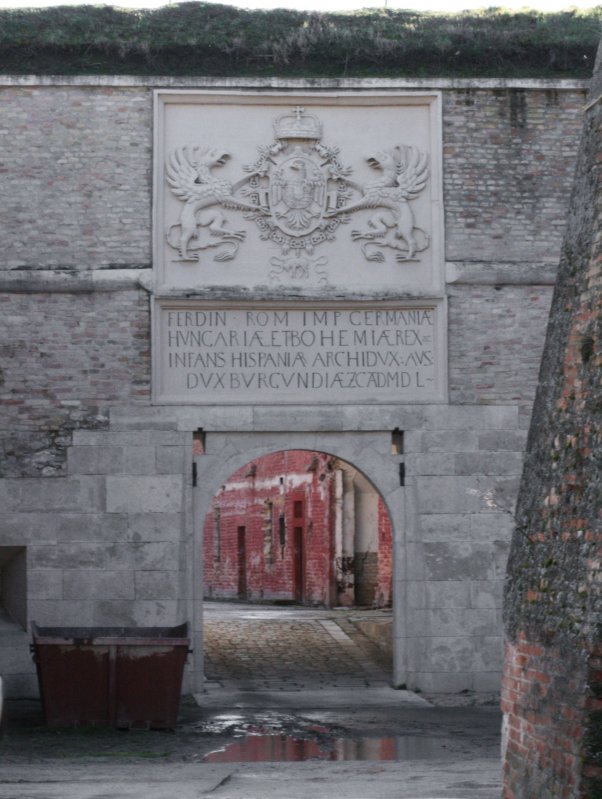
[101, 781]
[305, 698]
[476, 779]
[292, 647]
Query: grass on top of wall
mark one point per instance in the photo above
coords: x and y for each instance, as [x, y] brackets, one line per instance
[217, 40]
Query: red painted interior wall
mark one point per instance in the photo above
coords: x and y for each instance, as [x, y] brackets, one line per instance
[296, 489]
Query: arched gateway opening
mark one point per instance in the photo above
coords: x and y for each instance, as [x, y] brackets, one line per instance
[302, 536]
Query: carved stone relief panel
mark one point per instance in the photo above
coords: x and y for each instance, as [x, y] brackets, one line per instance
[304, 193]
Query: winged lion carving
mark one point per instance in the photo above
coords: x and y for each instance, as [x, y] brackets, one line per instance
[405, 173]
[202, 224]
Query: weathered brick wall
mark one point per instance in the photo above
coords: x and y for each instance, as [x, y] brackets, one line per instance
[76, 189]
[76, 194]
[308, 477]
[66, 358]
[319, 543]
[76, 176]
[509, 157]
[508, 163]
[242, 502]
[503, 366]
[383, 592]
[553, 612]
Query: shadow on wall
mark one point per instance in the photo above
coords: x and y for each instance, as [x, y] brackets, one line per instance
[299, 526]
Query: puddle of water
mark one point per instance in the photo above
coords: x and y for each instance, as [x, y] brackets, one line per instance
[238, 724]
[281, 748]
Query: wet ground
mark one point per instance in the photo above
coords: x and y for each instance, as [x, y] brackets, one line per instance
[338, 722]
[402, 732]
[371, 751]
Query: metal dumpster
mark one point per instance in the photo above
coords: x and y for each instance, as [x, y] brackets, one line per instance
[128, 677]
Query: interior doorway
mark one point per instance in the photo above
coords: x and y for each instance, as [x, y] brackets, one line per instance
[298, 550]
[241, 537]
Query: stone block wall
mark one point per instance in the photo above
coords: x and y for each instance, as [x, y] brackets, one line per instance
[462, 486]
[104, 512]
[551, 690]
[106, 543]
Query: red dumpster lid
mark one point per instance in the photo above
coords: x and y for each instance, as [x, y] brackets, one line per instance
[132, 636]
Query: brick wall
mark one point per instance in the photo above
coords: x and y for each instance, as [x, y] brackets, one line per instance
[383, 595]
[76, 194]
[503, 366]
[65, 360]
[493, 212]
[254, 499]
[76, 189]
[76, 177]
[508, 164]
[76, 197]
[75, 162]
[551, 691]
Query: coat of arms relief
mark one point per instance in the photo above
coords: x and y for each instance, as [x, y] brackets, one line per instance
[298, 193]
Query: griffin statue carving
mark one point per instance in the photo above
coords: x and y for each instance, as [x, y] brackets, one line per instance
[298, 194]
[202, 224]
[405, 173]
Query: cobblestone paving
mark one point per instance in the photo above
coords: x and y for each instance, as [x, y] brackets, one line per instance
[258, 646]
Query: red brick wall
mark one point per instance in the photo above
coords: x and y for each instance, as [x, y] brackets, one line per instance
[308, 477]
[552, 687]
[544, 703]
[552, 700]
[242, 502]
[385, 557]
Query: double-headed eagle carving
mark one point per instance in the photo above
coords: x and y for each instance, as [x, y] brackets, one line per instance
[298, 193]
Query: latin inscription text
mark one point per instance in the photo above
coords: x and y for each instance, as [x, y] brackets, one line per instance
[302, 355]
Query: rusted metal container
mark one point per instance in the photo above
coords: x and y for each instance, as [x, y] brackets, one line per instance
[128, 677]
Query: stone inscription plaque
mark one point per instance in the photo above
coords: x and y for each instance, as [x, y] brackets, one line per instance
[266, 355]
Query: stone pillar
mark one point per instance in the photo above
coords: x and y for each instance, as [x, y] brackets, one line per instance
[347, 589]
[341, 511]
[553, 602]
[366, 542]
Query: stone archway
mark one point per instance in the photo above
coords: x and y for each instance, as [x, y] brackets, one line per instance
[369, 453]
